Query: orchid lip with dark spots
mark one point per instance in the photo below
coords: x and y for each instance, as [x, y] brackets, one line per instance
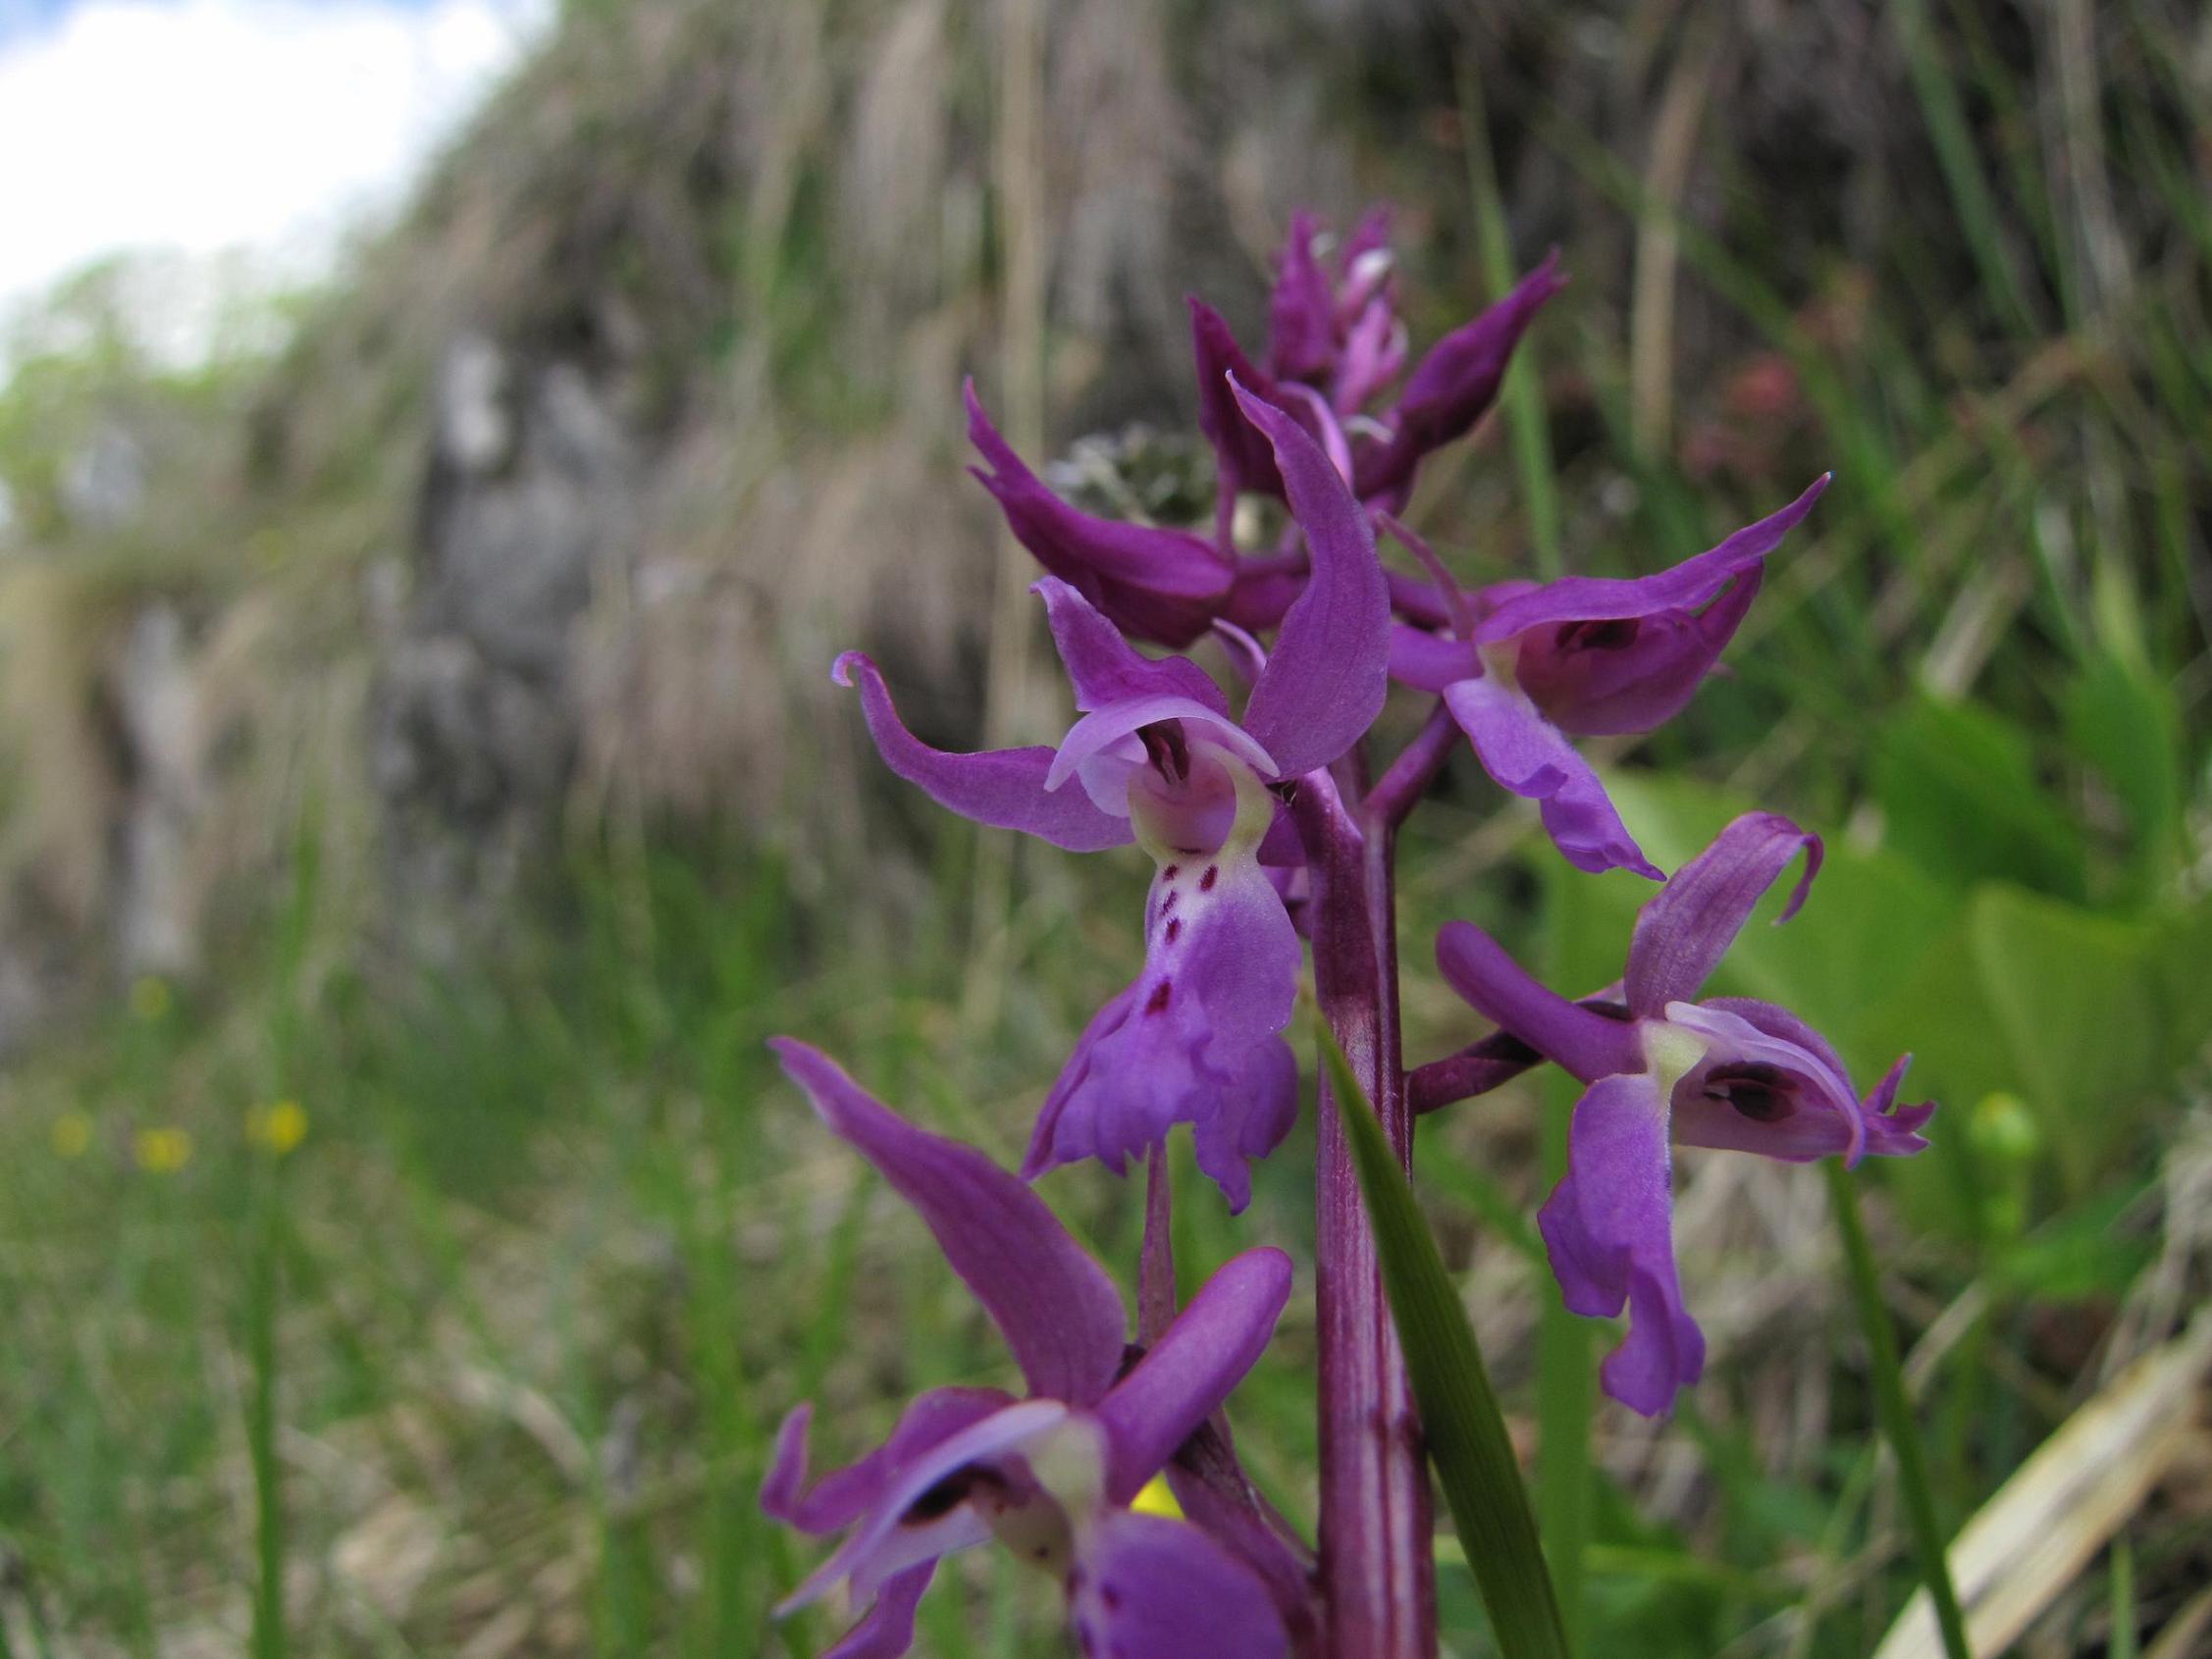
[1726, 1071]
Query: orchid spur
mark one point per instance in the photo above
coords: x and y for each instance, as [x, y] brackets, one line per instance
[1157, 757]
[1727, 1071]
[1051, 1475]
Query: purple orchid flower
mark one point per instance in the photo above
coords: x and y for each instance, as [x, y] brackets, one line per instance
[1158, 759]
[1160, 584]
[1050, 1476]
[1726, 1071]
[1586, 655]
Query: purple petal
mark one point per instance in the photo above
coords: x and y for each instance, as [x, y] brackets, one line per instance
[1457, 381]
[1500, 990]
[1809, 1109]
[1610, 1227]
[1690, 584]
[1686, 927]
[1245, 457]
[1104, 667]
[895, 1535]
[1166, 585]
[1197, 1039]
[1100, 730]
[1429, 663]
[841, 1496]
[1057, 1308]
[1147, 1587]
[1328, 675]
[1002, 787]
[1526, 754]
[1761, 1088]
[1301, 312]
[1628, 675]
[1189, 1372]
[888, 1630]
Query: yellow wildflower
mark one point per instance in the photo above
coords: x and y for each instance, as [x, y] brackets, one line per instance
[162, 1151]
[149, 997]
[72, 1135]
[278, 1127]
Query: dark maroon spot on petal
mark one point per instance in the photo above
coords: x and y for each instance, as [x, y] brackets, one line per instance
[1761, 1092]
[1612, 634]
[1192, 852]
[1170, 872]
[1157, 1003]
[1206, 881]
[950, 1493]
[1110, 1597]
[1175, 926]
[1168, 904]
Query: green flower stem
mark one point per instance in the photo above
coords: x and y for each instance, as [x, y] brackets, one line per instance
[1896, 1413]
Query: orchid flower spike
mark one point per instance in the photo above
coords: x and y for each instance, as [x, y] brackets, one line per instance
[1588, 655]
[1050, 1476]
[1724, 1071]
[1158, 759]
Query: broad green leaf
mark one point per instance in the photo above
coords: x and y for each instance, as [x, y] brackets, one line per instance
[2075, 997]
[1957, 791]
[2124, 724]
[1461, 1424]
[2182, 973]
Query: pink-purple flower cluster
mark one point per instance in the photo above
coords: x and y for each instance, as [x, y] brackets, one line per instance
[1261, 828]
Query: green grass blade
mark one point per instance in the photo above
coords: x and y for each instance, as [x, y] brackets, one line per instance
[1522, 398]
[1465, 1432]
[1896, 1413]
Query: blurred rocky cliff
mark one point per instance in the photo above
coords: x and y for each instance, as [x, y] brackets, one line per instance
[547, 522]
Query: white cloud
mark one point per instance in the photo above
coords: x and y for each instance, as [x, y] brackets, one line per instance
[205, 126]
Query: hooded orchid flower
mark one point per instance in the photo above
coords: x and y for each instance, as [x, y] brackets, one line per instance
[1050, 1476]
[1527, 665]
[1158, 759]
[1726, 1071]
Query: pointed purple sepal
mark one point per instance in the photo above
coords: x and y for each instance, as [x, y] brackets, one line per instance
[1685, 587]
[1686, 927]
[1187, 1374]
[1001, 787]
[1057, 1308]
[1455, 382]
[1328, 675]
[1165, 585]
[1572, 1037]
[1245, 459]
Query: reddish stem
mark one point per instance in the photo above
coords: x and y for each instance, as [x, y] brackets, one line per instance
[1378, 1574]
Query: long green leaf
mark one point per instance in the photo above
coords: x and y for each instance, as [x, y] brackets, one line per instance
[1464, 1430]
